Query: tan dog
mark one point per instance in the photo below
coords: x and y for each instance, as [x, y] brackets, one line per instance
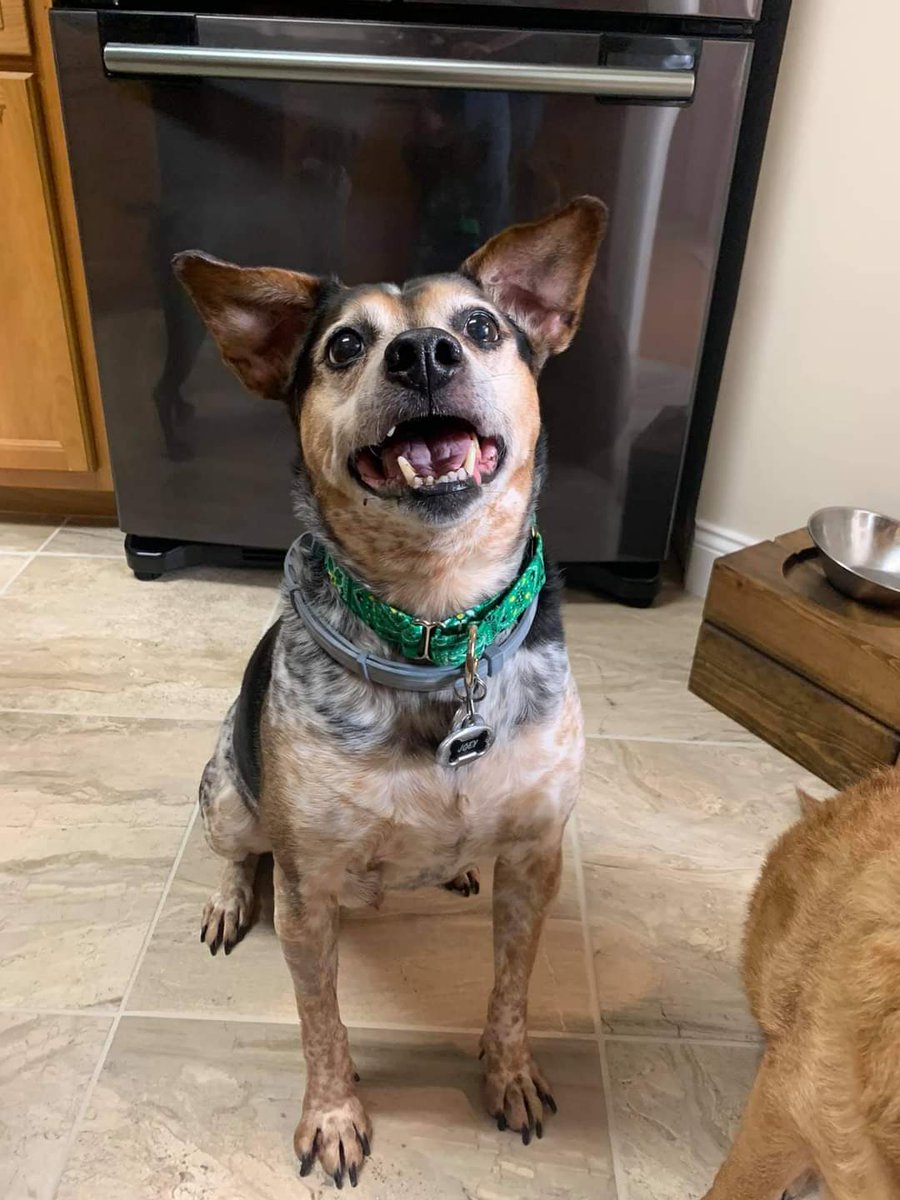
[822, 969]
[416, 414]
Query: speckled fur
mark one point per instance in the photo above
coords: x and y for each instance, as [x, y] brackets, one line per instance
[352, 801]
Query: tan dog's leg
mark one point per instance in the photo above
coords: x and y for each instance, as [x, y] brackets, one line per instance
[333, 1126]
[768, 1154]
[515, 1090]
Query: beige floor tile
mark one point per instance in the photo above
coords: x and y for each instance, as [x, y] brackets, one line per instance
[10, 566]
[25, 533]
[675, 1109]
[89, 538]
[681, 805]
[92, 812]
[632, 668]
[205, 1110]
[667, 947]
[45, 1065]
[424, 960]
[83, 635]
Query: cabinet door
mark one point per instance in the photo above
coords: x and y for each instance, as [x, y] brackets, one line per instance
[13, 29]
[42, 424]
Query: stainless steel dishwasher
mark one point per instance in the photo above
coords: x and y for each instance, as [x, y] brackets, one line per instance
[380, 146]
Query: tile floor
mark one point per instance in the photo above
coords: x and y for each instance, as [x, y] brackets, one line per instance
[134, 1066]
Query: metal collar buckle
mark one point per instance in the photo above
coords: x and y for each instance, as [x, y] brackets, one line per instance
[429, 627]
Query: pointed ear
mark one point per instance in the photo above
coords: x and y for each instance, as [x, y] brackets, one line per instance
[538, 273]
[257, 315]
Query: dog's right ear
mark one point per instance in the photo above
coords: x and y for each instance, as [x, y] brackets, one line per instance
[257, 315]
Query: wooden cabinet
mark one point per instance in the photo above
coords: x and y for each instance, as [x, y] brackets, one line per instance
[53, 451]
[13, 28]
[43, 423]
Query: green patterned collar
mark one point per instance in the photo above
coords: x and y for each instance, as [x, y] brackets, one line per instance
[442, 642]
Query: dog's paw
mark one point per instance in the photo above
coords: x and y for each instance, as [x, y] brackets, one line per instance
[337, 1136]
[467, 883]
[226, 918]
[517, 1095]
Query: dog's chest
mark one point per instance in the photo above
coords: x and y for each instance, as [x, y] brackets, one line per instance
[403, 820]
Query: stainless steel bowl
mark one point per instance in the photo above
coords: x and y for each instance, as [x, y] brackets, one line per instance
[860, 552]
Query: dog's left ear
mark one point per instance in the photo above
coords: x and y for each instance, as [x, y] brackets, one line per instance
[258, 316]
[538, 273]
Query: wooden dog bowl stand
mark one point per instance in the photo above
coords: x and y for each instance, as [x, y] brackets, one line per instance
[793, 660]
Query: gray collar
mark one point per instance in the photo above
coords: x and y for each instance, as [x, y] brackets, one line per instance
[407, 676]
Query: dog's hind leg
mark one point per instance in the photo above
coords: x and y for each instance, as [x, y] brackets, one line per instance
[233, 832]
[768, 1154]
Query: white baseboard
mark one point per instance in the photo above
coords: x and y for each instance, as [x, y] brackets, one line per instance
[710, 542]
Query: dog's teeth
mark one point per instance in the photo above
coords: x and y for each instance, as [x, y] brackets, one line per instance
[444, 478]
[408, 473]
[429, 480]
[462, 474]
[469, 464]
[392, 431]
[418, 481]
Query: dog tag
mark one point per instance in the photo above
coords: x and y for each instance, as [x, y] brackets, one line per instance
[470, 740]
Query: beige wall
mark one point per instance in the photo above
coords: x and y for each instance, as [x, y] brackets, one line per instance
[809, 411]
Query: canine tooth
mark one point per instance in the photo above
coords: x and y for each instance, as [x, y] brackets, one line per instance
[429, 480]
[469, 464]
[406, 467]
[392, 431]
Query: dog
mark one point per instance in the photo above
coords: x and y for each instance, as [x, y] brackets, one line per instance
[412, 710]
[822, 969]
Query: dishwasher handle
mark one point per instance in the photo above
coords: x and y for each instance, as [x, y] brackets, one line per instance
[308, 66]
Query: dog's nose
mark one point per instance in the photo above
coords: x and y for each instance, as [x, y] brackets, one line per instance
[423, 359]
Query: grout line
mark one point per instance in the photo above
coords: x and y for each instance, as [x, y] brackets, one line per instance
[619, 1176]
[96, 1014]
[662, 1039]
[73, 554]
[289, 1021]
[29, 559]
[179, 718]
[670, 741]
[117, 1017]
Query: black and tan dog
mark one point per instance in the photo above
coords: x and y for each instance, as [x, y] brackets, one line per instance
[420, 463]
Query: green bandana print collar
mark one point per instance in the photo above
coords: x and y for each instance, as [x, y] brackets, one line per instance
[442, 643]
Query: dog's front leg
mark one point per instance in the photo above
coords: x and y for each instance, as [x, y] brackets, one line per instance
[333, 1126]
[525, 881]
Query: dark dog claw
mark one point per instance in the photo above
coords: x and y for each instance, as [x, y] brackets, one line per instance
[501, 1122]
[526, 1135]
[338, 1180]
[550, 1102]
[476, 887]
[356, 1077]
[364, 1144]
[306, 1164]
[539, 1129]
[354, 1178]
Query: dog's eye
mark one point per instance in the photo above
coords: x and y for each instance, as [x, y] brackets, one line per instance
[482, 328]
[344, 346]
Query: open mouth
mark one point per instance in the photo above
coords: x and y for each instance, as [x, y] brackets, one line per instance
[429, 455]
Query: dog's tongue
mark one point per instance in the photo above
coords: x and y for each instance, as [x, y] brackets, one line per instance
[429, 454]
